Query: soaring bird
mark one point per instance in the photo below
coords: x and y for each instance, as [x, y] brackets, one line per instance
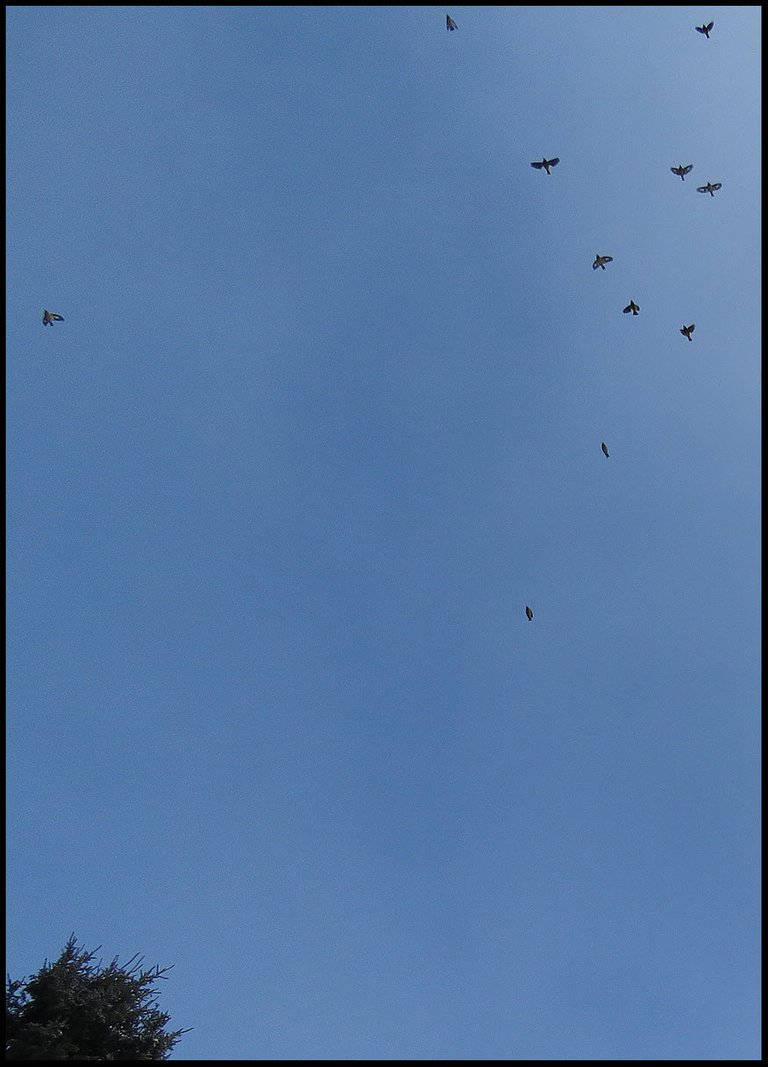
[546, 164]
[686, 331]
[450, 24]
[681, 170]
[710, 188]
[604, 447]
[633, 307]
[705, 29]
[528, 612]
[600, 261]
[49, 318]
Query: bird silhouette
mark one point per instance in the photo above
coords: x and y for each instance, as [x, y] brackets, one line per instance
[710, 188]
[633, 307]
[604, 447]
[600, 261]
[528, 612]
[450, 24]
[546, 164]
[686, 331]
[705, 29]
[49, 317]
[681, 170]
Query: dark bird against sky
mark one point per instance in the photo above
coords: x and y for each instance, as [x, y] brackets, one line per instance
[546, 164]
[705, 29]
[49, 317]
[681, 170]
[631, 306]
[710, 188]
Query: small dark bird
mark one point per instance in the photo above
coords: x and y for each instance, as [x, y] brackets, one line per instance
[604, 447]
[686, 331]
[705, 29]
[450, 24]
[681, 170]
[49, 318]
[600, 261]
[546, 164]
[633, 307]
[710, 188]
[528, 612]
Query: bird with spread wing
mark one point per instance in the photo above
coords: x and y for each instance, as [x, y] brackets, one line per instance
[546, 164]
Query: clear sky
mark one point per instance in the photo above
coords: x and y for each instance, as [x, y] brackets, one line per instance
[324, 415]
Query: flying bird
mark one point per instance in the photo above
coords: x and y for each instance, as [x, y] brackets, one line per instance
[600, 261]
[528, 612]
[681, 170]
[710, 188]
[450, 24]
[633, 307]
[705, 29]
[546, 164]
[686, 331]
[604, 447]
[49, 317]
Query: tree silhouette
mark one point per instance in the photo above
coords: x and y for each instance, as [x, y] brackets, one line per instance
[74, 1009]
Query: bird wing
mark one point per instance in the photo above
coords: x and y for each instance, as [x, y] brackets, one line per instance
[688, 169]
[676, 170]
[627, 309]
[538, 166]
[700, 29]
[710, 25]
[554, 162]
[607, 259]
[717, 185]
[702, 189]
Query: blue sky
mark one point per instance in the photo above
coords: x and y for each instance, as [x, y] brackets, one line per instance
[324, 415]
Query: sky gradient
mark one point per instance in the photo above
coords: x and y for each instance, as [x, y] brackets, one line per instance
[323, 417]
